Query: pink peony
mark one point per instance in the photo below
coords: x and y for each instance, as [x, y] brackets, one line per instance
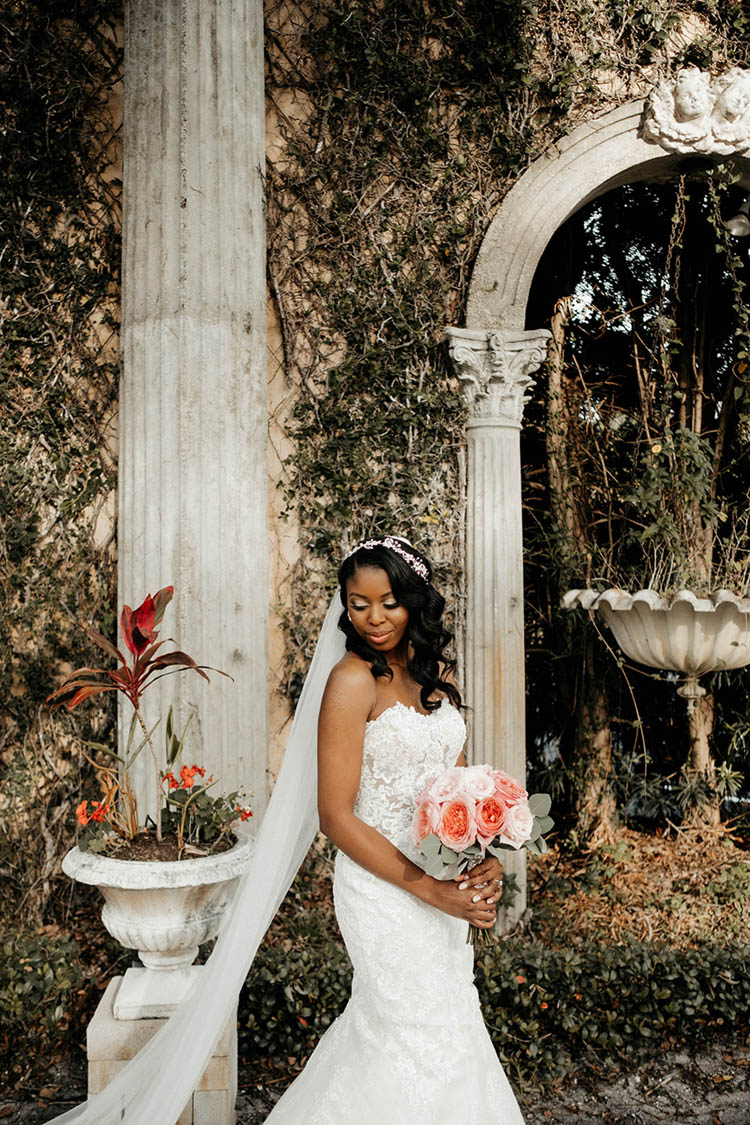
[478, 781]
[519, 822]
[447, 785]
[490, 820]
[507, 789]
[426, 819]
[457, 828]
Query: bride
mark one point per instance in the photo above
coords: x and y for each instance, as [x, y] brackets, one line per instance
[411, 1046]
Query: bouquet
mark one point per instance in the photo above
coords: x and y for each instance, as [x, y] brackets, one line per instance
[470, 810]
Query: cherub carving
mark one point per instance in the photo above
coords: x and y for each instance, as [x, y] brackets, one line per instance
[693, 113]
[678, 115]
[731, 115]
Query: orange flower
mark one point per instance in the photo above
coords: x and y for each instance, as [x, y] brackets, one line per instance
[521, 980]
[198, 769]
[544, 1004]
[245, 814]
[173, 782]
[99, 811]
[81, 813]
[188, 780]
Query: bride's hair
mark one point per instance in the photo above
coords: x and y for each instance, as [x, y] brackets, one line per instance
[425, 631]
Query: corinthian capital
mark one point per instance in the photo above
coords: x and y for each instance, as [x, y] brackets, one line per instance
[495, 370]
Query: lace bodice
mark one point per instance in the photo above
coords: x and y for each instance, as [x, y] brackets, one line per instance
[403, 750]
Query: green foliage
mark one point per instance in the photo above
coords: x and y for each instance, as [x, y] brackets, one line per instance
[39, 977]
[544, 1013]
[731, 885]
[643, 997]
[59, 277]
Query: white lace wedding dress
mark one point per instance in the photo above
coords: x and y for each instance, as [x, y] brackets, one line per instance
[410, 1048]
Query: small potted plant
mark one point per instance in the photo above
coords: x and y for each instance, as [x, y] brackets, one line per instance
[165, 883]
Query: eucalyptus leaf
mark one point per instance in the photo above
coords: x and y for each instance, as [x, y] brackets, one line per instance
[540, 803]
[434, 866]
[430, 846]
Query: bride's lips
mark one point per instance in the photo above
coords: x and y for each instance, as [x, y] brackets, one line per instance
[378, 638]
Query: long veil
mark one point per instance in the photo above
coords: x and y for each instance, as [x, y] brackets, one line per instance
[155, 1086]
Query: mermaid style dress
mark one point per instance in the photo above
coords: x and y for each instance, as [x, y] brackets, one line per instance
[411, 1047]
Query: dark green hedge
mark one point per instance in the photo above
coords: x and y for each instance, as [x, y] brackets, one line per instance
[40, 977]
[546, 1009]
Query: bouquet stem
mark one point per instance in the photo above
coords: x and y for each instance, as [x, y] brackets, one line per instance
[479, 936]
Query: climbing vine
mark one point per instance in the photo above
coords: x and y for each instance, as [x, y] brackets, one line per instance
[60, 65]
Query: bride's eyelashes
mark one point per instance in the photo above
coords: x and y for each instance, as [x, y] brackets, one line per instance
[386, 605]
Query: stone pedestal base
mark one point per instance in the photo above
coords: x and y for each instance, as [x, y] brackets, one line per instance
[111, 1043]
[152, 994]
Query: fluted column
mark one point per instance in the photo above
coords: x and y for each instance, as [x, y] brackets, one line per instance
[495, 370]
[193, 416]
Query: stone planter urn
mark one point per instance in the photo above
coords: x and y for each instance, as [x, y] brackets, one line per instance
[164, 910]
[682, 633]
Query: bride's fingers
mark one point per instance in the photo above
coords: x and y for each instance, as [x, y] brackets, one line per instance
[487, 871]
[486, 922]
[488, 893]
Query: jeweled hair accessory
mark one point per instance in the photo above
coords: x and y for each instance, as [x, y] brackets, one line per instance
[392, 544]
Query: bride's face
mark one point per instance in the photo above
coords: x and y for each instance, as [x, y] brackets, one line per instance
[373, 610]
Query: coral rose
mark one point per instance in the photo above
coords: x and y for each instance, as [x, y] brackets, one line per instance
[490, 819]
[507, 789]
[478, 781]
[426, 819]
[519, 822]
[447, 785]
[457, 828]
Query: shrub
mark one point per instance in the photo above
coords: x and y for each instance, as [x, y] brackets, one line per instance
[39, 973]
[546, 1009]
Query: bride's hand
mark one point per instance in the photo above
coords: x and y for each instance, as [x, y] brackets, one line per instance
[486, 878]
[473, 904]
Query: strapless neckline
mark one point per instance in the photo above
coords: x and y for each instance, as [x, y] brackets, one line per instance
[409, 707]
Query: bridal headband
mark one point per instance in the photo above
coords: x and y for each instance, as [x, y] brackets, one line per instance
[395, 545]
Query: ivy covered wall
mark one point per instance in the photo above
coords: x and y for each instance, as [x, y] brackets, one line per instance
[395, 130]
[60, 74]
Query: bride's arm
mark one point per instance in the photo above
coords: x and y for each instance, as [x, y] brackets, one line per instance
[347, 702]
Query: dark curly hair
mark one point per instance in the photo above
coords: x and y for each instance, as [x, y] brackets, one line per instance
[424, 630]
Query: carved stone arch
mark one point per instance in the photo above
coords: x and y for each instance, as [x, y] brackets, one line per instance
[595, 158]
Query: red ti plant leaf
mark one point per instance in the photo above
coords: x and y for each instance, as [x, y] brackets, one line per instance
[178, 659]
[108, 647]
[161, 601]
[75, 690]
[138, 624]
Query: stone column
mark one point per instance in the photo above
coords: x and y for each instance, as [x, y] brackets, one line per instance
[495, 371]
[193, 417]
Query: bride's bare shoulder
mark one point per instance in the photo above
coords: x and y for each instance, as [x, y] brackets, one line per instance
[352, 681]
